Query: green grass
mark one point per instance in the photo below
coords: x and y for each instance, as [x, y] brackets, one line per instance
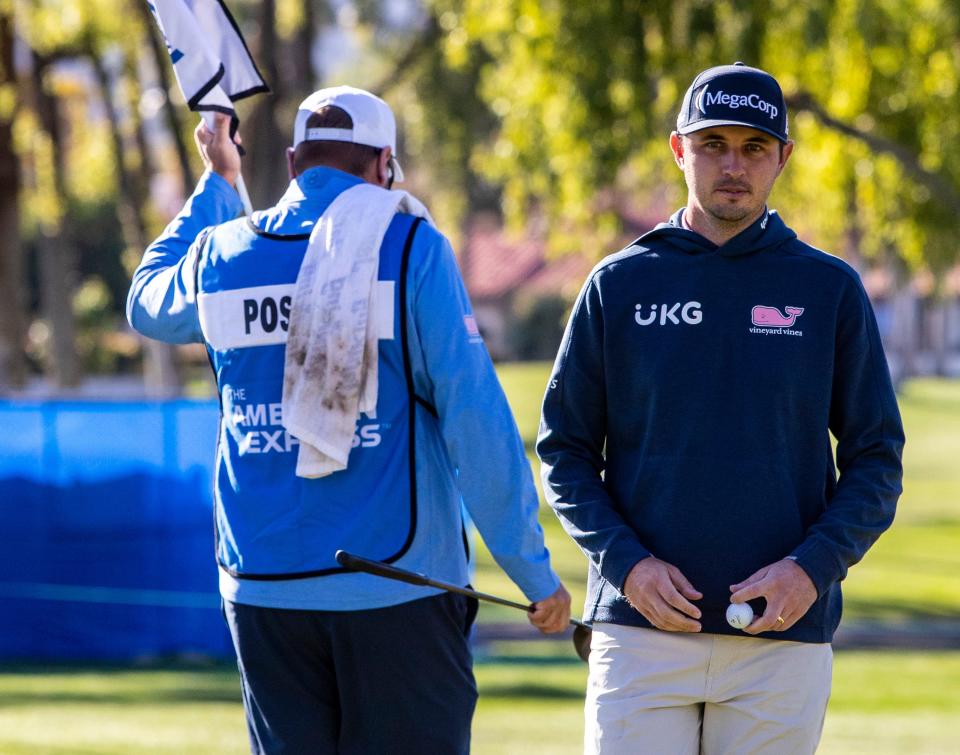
[122, 711]
[525, 383]
[883, 703]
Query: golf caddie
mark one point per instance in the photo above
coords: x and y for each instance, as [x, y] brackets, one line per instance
[359, 410]
[686, 448]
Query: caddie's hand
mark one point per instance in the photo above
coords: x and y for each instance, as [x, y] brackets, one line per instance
[788, 590]
[218, 152]
[552, 614]
[661, 593]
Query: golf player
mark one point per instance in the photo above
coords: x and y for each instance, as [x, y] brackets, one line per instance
[686, 448]
[359, 408]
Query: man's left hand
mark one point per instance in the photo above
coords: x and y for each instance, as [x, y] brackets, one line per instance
[217, 150]
[788, 590]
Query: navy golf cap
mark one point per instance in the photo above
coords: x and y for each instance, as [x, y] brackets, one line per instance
[736, 95]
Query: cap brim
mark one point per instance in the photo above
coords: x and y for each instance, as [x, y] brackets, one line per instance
[713, 123]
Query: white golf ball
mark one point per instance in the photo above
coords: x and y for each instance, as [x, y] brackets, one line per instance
[739, 615]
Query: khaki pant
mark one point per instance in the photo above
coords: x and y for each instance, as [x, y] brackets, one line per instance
[674, 693]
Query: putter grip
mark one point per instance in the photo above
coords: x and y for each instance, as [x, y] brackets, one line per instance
[356, 563]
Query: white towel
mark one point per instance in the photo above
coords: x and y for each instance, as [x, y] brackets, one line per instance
[330, 368]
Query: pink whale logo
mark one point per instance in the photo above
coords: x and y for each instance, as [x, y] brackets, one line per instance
[770, 317]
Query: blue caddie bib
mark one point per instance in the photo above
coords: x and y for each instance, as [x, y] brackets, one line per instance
[271, 524]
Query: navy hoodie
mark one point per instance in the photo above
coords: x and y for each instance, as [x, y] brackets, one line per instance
[689, 417]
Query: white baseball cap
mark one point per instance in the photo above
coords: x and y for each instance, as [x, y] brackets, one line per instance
[373, 121]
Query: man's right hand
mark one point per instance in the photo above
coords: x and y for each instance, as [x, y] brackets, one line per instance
[217, 150]
[662, 595]
[552, 614]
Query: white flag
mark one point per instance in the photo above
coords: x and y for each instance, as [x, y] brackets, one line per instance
[212, 63]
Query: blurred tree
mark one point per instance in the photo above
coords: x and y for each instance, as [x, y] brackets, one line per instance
[282, 35]
[58, 271]
[264, 165]
[454, 119]
[161, 63]
[161, 377]
[71, 167]
[586, 94]
[13, 368]
[530, 106]
[443, 117]
[299, 64]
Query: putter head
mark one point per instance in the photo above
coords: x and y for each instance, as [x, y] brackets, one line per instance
[581, 641]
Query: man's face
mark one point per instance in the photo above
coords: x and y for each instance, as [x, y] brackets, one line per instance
[730, 170]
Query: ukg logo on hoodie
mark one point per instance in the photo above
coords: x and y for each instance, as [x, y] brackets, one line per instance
[690, 313]
[735, 101]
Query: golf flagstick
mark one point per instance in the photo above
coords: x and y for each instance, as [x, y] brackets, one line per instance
[244, 196]
[581, 631]
[211, 61]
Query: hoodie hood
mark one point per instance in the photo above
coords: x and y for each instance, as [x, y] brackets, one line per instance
[765, 232]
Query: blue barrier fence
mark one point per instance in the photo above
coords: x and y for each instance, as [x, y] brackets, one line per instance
[106, 530]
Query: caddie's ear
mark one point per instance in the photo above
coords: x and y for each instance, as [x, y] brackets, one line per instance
[384, 170]
[676, 146]
[291, 171]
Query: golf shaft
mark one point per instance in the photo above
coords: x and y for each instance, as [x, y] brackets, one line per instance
[380, 569]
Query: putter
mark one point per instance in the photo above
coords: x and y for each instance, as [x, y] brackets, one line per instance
[581, 631]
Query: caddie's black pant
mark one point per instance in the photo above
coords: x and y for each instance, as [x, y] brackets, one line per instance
[386, 680]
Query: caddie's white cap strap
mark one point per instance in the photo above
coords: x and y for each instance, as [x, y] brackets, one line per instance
[328, 134]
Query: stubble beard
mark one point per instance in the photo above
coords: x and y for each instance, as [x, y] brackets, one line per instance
[727, 214]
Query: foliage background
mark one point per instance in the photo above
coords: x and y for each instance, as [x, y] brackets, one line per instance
[542, 111]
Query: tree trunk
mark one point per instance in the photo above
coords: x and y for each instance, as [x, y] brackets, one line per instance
[264, 166]
[302, 83]
[13, 366]
[161, 62]
[58, 281]
[161, 376]
[58, 264]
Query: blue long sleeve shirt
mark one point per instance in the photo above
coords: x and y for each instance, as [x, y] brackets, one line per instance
[689, 415]
[467, 445]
